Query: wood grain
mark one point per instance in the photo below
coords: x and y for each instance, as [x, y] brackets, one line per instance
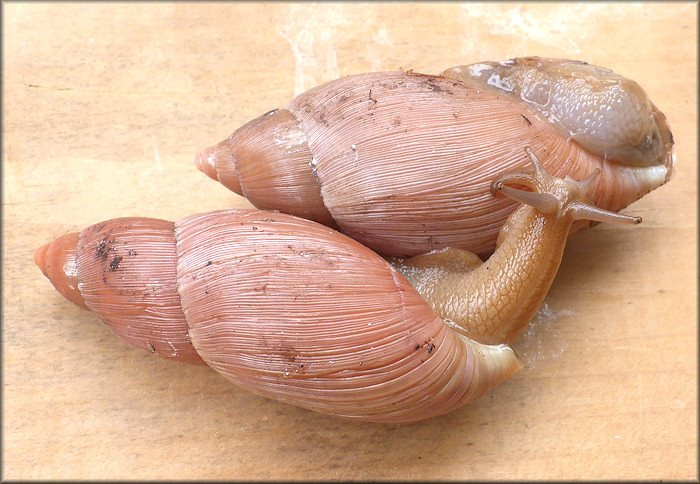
[105, 105]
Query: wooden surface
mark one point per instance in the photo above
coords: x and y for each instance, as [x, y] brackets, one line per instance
[105, 106]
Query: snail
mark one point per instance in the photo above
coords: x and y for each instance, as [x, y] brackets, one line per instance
[402, 161]
[295, 311]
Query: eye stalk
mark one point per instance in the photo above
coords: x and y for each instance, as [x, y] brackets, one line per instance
[545, 203]
[571, 199]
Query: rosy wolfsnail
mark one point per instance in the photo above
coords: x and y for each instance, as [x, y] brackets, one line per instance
[402, 161]
[295, 311]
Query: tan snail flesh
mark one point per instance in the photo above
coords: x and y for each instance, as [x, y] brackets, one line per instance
[296, 311]
[403, 162]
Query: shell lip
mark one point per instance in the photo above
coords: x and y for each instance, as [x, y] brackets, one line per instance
[668, 157]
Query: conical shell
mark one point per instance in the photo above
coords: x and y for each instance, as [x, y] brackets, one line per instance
[403, 161]
[282, 306]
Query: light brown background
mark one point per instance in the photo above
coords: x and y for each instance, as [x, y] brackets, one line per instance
[105, 106]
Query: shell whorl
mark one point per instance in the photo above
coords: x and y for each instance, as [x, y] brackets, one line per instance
[322, 322]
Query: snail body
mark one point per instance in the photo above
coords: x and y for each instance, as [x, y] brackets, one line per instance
[403, 162]
[295, 311]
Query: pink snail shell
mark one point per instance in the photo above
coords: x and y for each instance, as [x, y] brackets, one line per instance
[402, 161]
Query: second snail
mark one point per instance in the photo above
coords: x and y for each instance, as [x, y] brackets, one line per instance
[298, 312]
[402, 162]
